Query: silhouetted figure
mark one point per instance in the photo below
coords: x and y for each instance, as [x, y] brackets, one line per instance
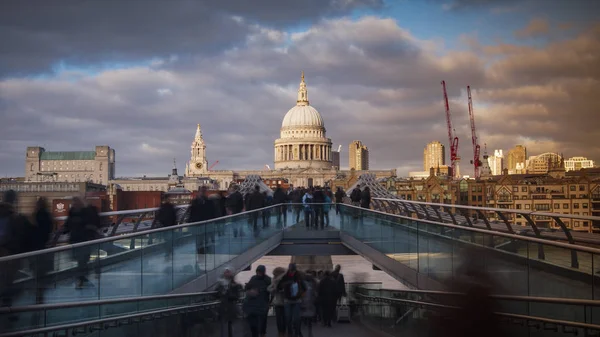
[167, 217]
[293, 288]
[296, 197]
[229, 293]
[475, 314]
[365, 198]
[339, 199]
[309, 213]
[280, 198]
[256, 200]
[256, 303]
[82, 224]
[327, 298]
[40, 235]
[234, 204]
[278, 297]
[319, 200]
[308, 309]
[202, 209]
[12, 241]
[266, 213]
[340, 286]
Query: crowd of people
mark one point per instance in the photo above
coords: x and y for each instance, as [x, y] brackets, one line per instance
[298, 299]
[20, 233]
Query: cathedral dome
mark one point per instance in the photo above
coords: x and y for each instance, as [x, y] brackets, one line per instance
[302, 115]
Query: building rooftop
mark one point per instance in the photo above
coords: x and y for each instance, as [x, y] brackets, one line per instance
[68, 155]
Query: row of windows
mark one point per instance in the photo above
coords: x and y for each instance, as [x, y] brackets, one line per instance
[545, 190]
[546, 207]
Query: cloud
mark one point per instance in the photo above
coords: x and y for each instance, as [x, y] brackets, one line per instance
[370, 78]
[36, 34]
[500, 6]
[535, 27]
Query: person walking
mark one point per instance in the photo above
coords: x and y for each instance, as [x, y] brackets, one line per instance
[326, 209]
[339, 199]
[201, 209]
[256, 200]
[256, 303]
[277, 300]
[167, 217]
[327, 298]
[308, 310]
[82, 223]
[319, 201]
[234, 204]
[228, 291]
[12, 236]
[280, 199]
[293, 288]
[39, 238]
[309, 214]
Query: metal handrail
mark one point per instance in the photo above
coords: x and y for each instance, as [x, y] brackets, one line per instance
[492, 209]
[422, 211]
[552, 300]
[64, 305]
[158, 230]
[130, 211]
[502, 314]
[126, 236]
[102, 321]
[484, 231]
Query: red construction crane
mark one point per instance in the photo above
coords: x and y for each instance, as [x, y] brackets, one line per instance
[452, 140]
[476, 149]
[213, 165]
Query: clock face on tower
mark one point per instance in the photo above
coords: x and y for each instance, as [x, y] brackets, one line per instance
[198, 165]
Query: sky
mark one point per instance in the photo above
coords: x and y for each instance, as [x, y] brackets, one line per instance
[138, 75]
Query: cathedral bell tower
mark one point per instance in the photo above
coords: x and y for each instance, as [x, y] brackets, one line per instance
[198, 164]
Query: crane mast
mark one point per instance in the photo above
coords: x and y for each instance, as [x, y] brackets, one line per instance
[476, 148]
[452, 140]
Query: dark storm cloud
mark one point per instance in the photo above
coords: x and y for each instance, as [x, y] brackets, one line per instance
[37, 34]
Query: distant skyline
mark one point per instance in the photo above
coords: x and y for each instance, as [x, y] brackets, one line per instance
[70, 78]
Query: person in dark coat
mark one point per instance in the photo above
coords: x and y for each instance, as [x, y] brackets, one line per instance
[308, 309]
[201, 209]
[340, 283]
[167, 217]
[293, 288]
[234, 204]
[318, 208]
[278, 300]
[475, 313]
[339, 199]
[256, 303]
[365, 198]
[256, 200]
[12, 241]
[229, 294]
[266, 213]
[235, 201]
[40, 236]
[280, 198]
[296, 197]
[327, 298]
[82, 224]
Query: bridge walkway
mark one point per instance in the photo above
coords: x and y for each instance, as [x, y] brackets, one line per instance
[417, 252]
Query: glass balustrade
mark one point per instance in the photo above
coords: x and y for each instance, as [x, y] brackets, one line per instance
[149, 263]
[516, 265]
